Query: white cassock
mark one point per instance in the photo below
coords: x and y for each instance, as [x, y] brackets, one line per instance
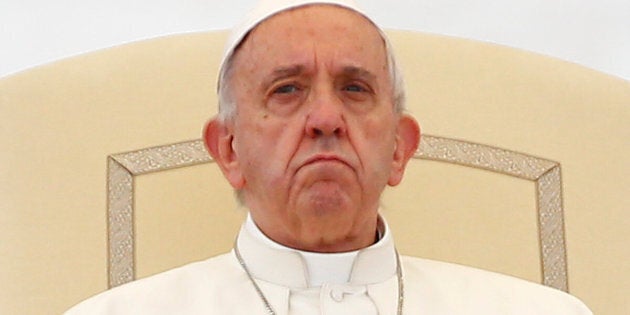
[362, 282]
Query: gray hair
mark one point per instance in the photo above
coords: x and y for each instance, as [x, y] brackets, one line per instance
[227, 104]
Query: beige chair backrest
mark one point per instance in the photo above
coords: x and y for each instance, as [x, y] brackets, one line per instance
[523, 169]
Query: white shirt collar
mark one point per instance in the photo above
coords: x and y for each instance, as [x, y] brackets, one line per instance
[276, 263]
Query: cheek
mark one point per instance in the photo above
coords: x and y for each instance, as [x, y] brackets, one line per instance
[378, 132]
[266, 146]
[375, 145]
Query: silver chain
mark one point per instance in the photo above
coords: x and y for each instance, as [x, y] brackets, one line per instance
[269, 309]
[401, 287]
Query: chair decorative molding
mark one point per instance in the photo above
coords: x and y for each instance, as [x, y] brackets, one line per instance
[545, 173]
[123, 167]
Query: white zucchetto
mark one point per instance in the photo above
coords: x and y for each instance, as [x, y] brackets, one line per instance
[267, 8]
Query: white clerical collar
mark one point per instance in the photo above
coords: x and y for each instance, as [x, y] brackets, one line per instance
[276, 263]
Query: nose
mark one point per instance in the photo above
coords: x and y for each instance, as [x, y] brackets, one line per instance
[325, 117]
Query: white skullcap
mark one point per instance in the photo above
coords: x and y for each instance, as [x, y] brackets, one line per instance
[267, 8]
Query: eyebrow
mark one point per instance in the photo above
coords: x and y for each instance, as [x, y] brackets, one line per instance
[285, 71]
[358, 72]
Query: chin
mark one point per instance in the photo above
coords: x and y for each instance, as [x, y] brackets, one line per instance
[326, 200]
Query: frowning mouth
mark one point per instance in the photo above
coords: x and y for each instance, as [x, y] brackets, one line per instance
[325, 158]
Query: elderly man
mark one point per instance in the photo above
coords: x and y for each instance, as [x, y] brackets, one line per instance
[310, 131]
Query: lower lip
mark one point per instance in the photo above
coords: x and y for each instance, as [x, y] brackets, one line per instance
[326, 161]
[326, 164]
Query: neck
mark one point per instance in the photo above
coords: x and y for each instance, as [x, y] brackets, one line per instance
[321, 236]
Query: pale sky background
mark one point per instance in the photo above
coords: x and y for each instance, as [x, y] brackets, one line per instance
[594, 33]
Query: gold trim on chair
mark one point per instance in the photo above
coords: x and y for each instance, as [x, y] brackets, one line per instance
[548, 180]
[123, 167]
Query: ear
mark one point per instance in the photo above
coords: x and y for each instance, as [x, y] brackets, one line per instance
[407, 141]
[219, 142]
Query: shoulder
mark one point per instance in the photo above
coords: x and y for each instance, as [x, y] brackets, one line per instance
[184, 287]
[465, 289]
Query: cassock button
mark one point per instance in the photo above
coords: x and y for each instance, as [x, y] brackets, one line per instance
[337, 294]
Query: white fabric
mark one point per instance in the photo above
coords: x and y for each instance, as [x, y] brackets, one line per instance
[311, 290]
[267, 8]
[324, 267]
[220, 286]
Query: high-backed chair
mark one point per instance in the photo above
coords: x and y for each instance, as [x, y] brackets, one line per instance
[522, 169]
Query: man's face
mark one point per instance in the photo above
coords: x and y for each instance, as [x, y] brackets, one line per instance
[314, 139]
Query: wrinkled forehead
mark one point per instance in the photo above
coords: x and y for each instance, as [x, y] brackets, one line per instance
[266, 9]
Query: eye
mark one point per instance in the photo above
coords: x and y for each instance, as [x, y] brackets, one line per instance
[354, 88]
[356, 91]
[285, 96]
[286, 89]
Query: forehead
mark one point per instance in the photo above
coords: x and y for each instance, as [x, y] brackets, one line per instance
[329, 30]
